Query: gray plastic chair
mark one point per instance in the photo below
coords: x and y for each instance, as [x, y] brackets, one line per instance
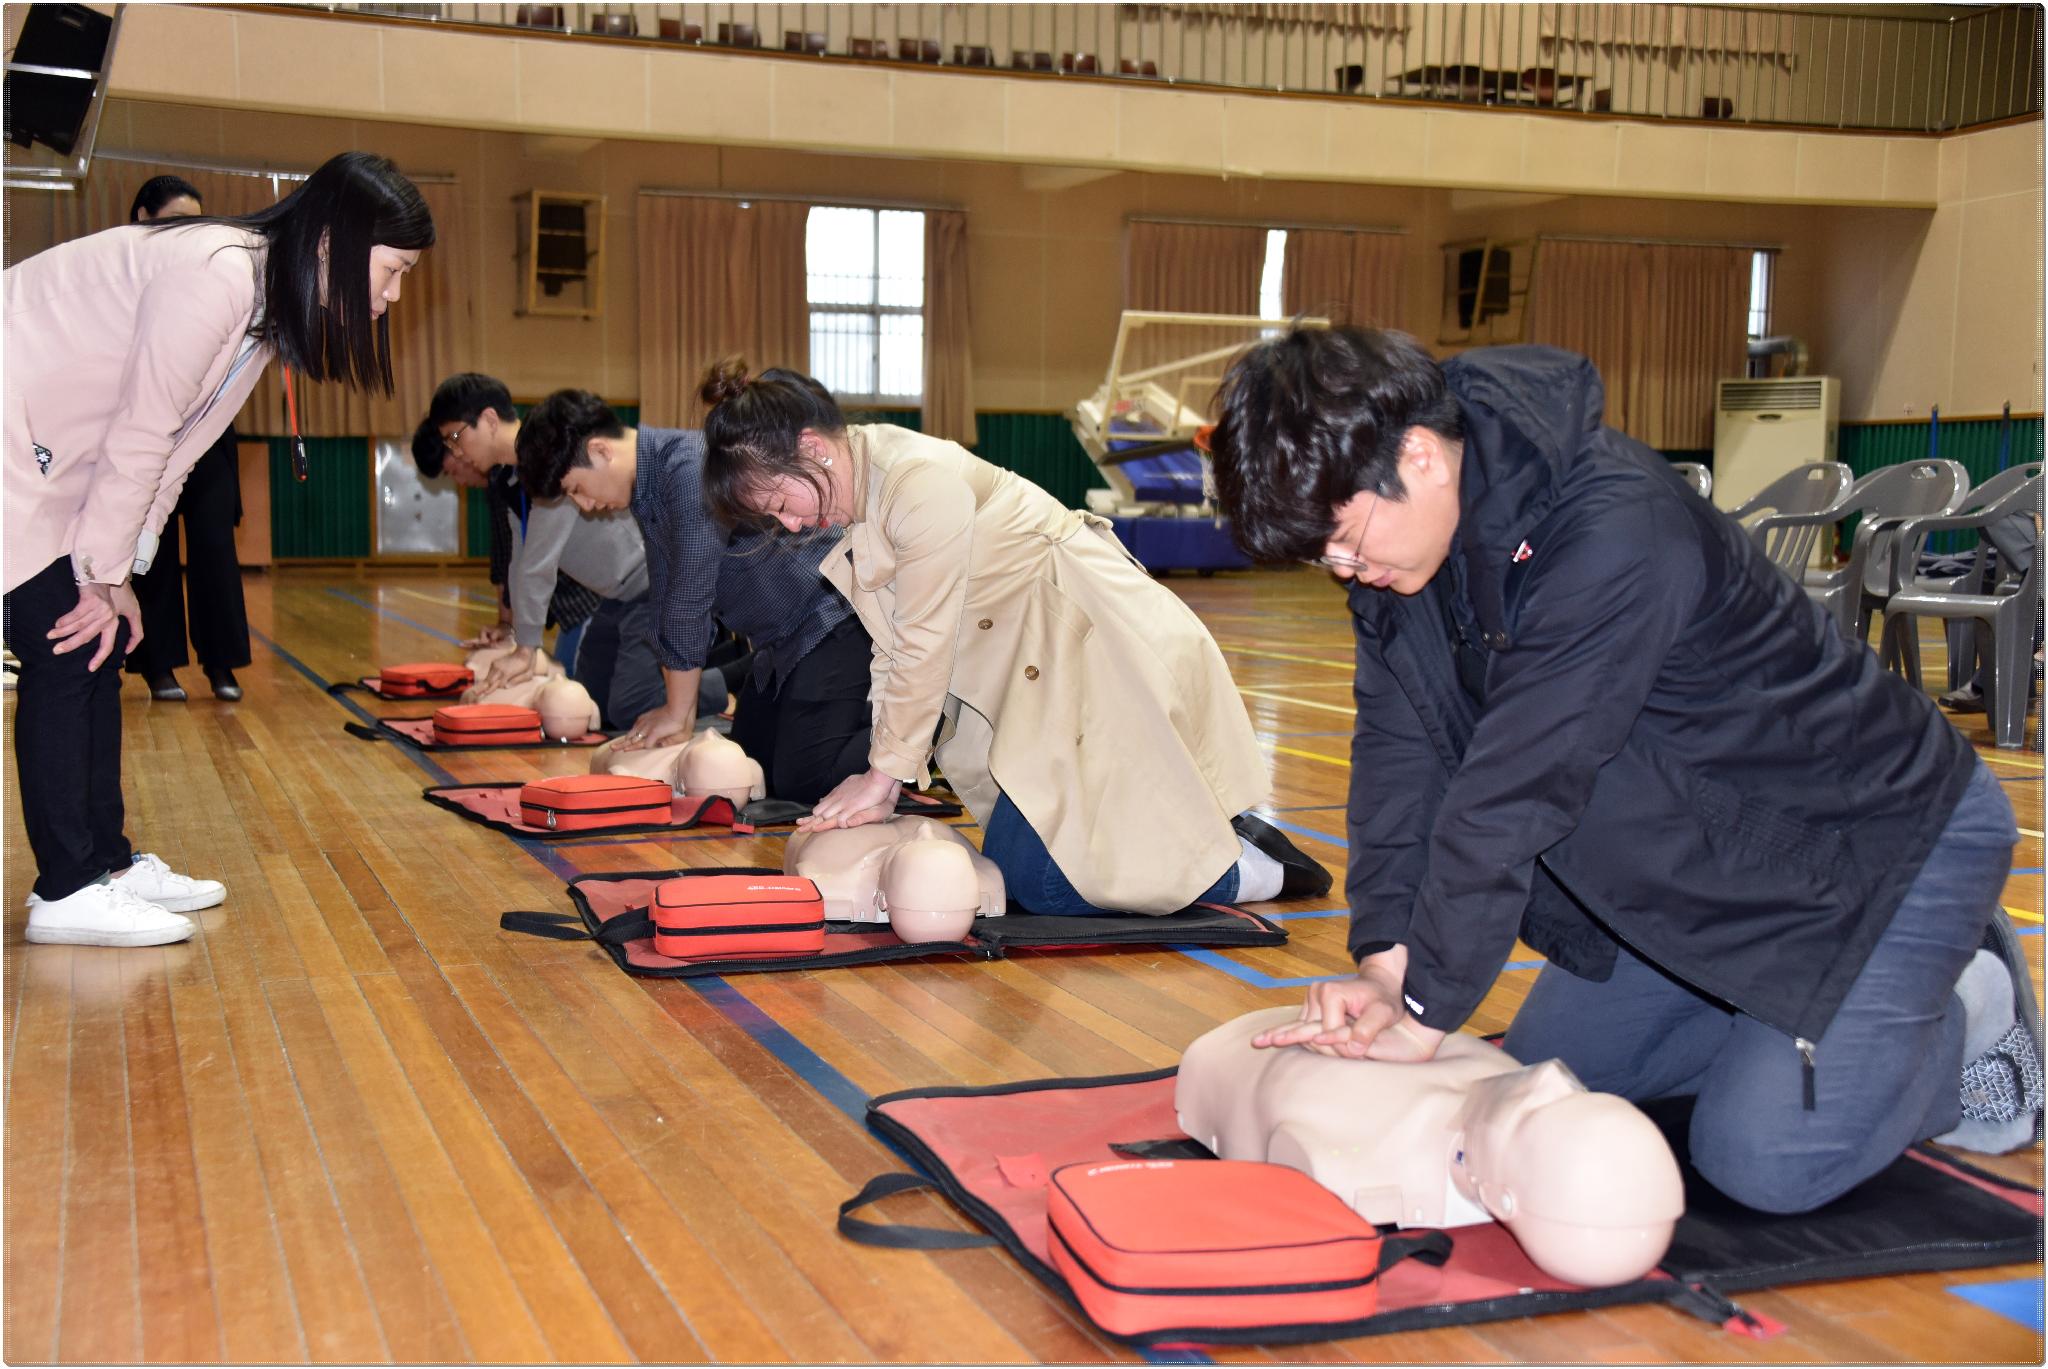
[1699, 477]
[1992, 562]
[1787, 532]
[1851, 594]
[2005, 613]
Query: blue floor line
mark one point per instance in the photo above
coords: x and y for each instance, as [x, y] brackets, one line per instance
[1309, 832]
[2019, 779]
[2014, 1299]
[2030, 870]
[381, 611]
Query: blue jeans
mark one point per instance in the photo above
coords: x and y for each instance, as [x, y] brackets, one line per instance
[1885, 1073]
[1031, 879]
[566, 642]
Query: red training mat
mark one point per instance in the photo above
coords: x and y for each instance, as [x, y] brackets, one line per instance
[420, 732]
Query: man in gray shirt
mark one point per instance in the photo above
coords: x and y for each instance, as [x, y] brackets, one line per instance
[616, 661]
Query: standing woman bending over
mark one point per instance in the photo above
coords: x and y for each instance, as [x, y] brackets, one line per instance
[1082, 711]
[129, 352]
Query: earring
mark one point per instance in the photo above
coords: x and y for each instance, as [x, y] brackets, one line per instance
[824, 460]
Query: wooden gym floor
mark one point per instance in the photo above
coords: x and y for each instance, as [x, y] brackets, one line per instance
[354, 1122]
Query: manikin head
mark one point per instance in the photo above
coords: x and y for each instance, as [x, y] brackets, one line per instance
[930, 891]
[857, 870]
[566, 709]
[712, 764]
[1584, 1181]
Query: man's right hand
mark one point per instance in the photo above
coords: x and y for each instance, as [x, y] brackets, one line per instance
[1362, 1018]
[657, 727]
[495, 635]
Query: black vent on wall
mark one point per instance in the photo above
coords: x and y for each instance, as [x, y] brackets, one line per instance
[563, 253]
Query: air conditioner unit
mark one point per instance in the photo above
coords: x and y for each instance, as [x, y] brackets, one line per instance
[1764, 428]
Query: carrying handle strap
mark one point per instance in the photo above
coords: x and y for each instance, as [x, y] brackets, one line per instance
[1430, 1247]
[554, 926]
[898, 1237]
[363, 730]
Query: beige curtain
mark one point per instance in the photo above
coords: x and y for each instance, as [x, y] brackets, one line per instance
[1662, 322]
[716, 278]
[431, 325]
[1190, 269]
[948, 360]
[1350, 278]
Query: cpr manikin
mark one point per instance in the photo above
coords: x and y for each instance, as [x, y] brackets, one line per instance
[566, 709]
[921, 877]
[1584, 1181]
[708, 765]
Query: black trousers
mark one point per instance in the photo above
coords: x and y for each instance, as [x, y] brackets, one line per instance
[812, 732]
[67, 740]
[209, 576]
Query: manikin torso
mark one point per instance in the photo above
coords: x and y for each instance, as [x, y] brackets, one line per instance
[1583, 1181]
[901, 867]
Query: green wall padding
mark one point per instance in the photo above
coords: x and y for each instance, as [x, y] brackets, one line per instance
[329, 515]
[1971, 441]
[1039, 447]
[476, 524]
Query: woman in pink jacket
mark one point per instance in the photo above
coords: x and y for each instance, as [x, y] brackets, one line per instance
[128, 353]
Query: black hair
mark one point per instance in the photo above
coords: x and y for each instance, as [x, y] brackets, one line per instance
[1311, 418]
[159, 191]
[462, 398]
[429, 452]
[752, 432]
[354, 202]
[556, 437]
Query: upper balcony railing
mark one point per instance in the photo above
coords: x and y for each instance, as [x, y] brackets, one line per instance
[1849, 67]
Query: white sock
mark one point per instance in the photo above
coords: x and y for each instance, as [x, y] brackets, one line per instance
[1258, 874]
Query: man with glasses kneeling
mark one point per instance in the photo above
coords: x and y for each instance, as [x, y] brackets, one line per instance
[1764, 872]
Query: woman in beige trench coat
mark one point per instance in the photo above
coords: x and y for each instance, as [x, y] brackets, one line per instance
[1081, 711]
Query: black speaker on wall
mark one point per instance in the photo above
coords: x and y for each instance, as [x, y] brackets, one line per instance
[50, 107]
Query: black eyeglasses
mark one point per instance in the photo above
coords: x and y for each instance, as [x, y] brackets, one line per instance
[449, 440]
[1354, 562]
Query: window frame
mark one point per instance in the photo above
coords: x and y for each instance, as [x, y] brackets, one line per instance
[873, 309]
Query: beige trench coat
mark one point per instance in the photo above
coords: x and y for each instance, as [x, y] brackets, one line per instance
[1065, 676]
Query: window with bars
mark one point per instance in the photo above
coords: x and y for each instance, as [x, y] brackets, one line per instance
[865, 271]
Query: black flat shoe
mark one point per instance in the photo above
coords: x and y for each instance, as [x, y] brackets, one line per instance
[1301, 877]
[165, 687]
[224, 686]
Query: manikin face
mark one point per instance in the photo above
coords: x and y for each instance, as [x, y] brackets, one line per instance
[607, 482]
[794, 501]
[1400, 544]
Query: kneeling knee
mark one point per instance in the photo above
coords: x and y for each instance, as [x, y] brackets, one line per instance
[1775, 1174]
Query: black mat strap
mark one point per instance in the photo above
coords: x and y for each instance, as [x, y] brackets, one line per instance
[895, 1236]
[365, 731]
[554, 926]
[1432, 1248]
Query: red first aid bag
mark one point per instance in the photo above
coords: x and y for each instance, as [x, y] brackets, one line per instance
[589, 803]
[1186, 1245]
[486, 725]
[708, 916]
[425, 678]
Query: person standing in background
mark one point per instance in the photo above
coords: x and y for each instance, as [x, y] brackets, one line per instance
[210, 577]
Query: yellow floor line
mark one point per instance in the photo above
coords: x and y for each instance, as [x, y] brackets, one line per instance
[2022, 915]
[1298, 703]
[438, 602]
[2030, 832]
[2009, 760]
[1313, 756]
[1283, 656]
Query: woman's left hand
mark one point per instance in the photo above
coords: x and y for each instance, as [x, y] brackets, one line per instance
[858, 799]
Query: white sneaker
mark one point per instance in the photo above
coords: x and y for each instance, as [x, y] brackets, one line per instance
[155, 881]
[107, 914]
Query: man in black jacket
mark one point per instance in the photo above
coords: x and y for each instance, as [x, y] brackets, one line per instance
[1590, 713]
